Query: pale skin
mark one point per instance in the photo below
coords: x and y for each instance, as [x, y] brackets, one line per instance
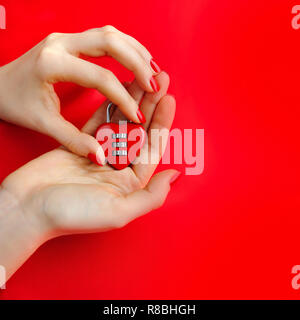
[64, 193]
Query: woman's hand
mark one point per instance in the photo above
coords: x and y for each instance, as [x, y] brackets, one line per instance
[27, 97]
[61, 193]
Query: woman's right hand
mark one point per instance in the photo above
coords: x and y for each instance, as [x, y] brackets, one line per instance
[27, 96]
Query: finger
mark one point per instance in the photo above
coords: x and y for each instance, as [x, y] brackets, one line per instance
[137, 94]
[140, 202]
[114, 44]
[141, 49]
[84, 73]
[73, 139]
[113, 108]
[150, 101]
[158, 133]
[136, 91]
[144, 53]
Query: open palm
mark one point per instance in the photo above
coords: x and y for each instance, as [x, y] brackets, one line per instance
[70, 194]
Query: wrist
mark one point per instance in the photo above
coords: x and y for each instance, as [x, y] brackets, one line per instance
[20, 233]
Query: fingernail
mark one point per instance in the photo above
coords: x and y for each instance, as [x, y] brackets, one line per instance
[141, 116]
[154, 84]
[155, 66]
[93, 158]
[175, 177]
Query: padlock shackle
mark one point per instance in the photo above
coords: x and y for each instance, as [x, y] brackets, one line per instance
[108, 112]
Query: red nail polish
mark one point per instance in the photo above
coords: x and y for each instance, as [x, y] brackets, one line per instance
[155, 66]
[154, 84]
[93, 158]
[141, 116]
[175, 177]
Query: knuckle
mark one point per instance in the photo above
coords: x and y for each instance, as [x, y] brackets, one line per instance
[46, 53]
[52, 37]
[108, 28]
[107, 75]
[45, 57]
[110, 39]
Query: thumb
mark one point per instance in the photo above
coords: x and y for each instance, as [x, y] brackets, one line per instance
[76, 141]
[144, 200]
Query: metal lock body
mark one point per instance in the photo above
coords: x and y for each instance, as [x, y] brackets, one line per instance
[121, 141]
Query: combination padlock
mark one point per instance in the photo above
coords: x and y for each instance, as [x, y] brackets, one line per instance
[121, 142]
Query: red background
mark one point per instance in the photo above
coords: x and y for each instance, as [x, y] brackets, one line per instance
[232, 232]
